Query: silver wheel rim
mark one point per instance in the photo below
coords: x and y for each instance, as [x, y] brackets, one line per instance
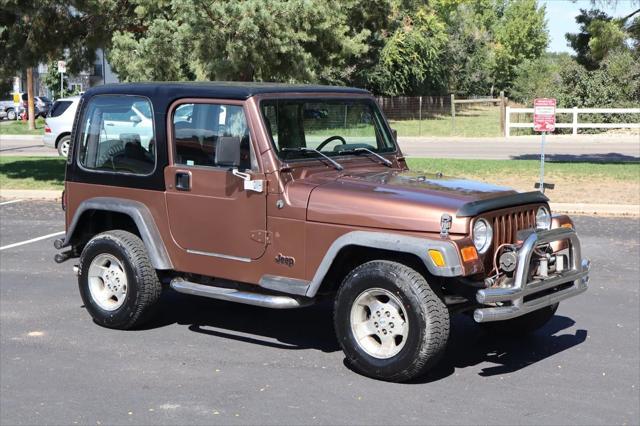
[107, 282]
[379, 323]
[11, 115]
[64, 148]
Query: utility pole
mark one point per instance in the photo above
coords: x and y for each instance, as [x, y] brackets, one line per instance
[30, 107]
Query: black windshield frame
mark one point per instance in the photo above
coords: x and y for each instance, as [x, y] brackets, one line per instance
[383, 144]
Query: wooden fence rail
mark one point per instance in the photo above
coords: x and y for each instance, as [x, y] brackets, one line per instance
[575, 124]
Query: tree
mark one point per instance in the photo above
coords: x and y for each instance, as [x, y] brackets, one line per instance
[616, 83]
[600, 35]
[52, 81]
[520, 35]
[539, 78]
[580, 41]
[469, 56]
[410, 60]
[295, 41]
[38, 31]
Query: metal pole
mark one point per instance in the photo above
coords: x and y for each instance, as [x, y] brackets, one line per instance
[502, 106]
[420, 117]
[542, 163]
[61, 84]
[453, 113]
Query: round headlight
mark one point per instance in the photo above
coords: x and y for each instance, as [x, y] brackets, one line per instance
[543, 218]
[482, 235]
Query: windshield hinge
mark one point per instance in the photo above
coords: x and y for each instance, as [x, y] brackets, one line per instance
[261, 236]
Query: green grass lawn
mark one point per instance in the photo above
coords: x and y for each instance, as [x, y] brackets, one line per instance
[520, 168]
[21, 128]
[31, 172]
[475, 122]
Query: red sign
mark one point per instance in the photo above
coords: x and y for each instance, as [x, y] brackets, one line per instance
[544, 115]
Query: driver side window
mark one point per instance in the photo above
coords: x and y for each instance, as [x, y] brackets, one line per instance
[212, 135]
[117, 134]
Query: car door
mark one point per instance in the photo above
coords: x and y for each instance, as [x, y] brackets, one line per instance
[210, 212]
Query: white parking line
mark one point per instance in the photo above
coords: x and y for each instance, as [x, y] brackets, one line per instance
[33, 240]
[10, 202]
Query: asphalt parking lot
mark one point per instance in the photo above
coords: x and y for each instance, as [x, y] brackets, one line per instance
[205, 361]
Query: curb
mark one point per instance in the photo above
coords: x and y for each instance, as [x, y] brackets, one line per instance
[21, 138]
[615, 210]
[31, 194]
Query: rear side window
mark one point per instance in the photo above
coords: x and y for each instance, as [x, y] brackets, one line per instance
[117, 135]
[214, 135]
[59, 107]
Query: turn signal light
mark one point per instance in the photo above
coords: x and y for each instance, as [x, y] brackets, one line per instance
[566, 225]
[437, 257]
[47, 129]
[469, 253]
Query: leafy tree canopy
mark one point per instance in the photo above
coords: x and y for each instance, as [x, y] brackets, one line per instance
[251, 40]
[38, 31]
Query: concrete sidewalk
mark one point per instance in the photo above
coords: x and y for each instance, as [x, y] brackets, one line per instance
[631, 210]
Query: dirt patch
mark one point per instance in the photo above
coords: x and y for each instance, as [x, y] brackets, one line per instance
[574, 190]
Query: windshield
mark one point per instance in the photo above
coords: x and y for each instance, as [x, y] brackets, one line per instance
[332, 126]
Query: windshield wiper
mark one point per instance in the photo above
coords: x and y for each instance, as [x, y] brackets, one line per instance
[334, 163]
[385, 161]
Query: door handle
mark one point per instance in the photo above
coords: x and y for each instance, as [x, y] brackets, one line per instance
[183, 181]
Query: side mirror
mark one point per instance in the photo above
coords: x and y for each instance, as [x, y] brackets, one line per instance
[135, 119]
[394, 132]
[249, 185]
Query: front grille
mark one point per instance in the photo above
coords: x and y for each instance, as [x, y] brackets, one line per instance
[506, 226]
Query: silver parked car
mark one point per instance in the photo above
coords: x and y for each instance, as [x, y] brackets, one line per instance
[58, 124]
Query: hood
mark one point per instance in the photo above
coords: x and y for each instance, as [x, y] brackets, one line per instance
[400, 200]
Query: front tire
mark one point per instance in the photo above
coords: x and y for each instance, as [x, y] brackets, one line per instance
[63, 146]
[11, 114]
[118, 284]
[389, 322]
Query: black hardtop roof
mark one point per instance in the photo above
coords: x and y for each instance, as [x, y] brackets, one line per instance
[225, 89]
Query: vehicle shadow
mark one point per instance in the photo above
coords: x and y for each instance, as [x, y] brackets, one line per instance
[470, 345]
[292, 329]
[609, 158]
[312, 328]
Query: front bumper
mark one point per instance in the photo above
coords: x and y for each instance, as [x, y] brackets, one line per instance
[526, 296]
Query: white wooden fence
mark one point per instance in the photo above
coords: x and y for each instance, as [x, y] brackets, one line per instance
[575, 124]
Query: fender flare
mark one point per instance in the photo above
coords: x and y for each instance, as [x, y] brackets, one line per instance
[395, 242]
[140, 215]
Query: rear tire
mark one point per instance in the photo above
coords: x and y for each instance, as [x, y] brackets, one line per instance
[11, 114]
[389, 322]
[524, 325]
[63, 146]
[118, 284]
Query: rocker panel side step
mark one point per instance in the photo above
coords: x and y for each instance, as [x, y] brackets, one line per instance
[233, 295]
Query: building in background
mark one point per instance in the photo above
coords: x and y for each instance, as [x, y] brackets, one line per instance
[100, 73]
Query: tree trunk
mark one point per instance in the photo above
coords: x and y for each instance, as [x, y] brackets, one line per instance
[30, 106]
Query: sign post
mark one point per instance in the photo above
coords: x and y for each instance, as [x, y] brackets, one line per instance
[544, 120]
[62, 68]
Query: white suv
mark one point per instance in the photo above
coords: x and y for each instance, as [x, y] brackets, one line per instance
[58, 124]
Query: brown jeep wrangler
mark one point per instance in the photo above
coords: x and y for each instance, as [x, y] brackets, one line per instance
[280, 195]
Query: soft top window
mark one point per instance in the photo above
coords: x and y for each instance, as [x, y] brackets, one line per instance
[117, 136]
